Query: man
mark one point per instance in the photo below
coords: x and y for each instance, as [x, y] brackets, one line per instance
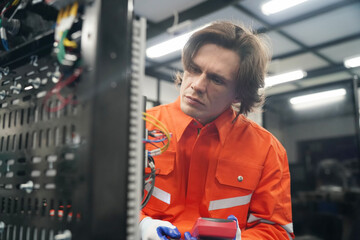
[219, 163]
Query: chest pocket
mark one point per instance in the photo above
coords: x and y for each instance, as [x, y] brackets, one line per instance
[164, 185]
[238, 174]
[232, 189]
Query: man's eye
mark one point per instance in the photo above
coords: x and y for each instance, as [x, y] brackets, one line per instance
[194, 69]
[217, 81]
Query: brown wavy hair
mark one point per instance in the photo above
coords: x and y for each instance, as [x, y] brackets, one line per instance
[252, 50]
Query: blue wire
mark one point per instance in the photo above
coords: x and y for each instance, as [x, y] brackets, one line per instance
[160, 140]
[5, 44]
[155, 141]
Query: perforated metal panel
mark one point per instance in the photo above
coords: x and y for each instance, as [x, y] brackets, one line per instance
[74, 170]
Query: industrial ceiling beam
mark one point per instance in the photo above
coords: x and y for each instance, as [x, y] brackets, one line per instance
[306, 16]
[281, 32]
[288, 36]
[319, 46]
[193, 13]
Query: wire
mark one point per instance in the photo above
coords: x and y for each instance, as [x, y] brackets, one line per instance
[155, 140]
[161, 135]
[7, 7]
[5, 44]
[61, 48]
[56, 90]
[72, 12]
[4, 39]
[15, 2]
[150, 180]
[64, 22]
[162, 149]
[20, 6]
[68, 43]
[155, 122]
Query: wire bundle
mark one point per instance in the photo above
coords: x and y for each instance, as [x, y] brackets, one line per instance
[3, 35]
[9, 5]
[64, 49]
[159, 135]
[149, 179]
[64, 22]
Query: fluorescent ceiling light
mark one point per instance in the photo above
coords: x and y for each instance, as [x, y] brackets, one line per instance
[284, 77]
[170, 46]
[352, 62]
[275, 6]
[317, 99]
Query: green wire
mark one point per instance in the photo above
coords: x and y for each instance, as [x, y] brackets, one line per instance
[61, 48]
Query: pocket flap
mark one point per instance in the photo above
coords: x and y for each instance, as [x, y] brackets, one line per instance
[164, 163]
[238, 174]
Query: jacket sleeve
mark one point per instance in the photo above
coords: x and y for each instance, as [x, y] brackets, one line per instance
[270, 215]
[142, 215]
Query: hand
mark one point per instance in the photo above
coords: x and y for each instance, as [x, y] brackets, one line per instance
[238, 231]
[188, 236]
[153, 229]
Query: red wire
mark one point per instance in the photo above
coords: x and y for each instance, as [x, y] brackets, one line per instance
[6, 9]
[56, 90]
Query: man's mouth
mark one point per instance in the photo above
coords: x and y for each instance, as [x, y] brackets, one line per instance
[194, 99]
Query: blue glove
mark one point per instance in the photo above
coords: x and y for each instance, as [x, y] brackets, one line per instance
[154, 229]
[189, 237]
[238, 231]
[165, 232]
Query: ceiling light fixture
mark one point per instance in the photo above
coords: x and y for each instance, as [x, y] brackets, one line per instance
[170, 45]
[320, 98]
[284, 77]
[352, 62]
[275, 6]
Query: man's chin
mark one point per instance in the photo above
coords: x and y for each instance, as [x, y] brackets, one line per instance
[190, 111]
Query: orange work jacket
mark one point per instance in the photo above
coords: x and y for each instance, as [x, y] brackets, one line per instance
[220, 169]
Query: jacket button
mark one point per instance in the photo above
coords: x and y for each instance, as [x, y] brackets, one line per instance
[240, 178]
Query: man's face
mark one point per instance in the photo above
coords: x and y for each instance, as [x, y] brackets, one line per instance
[209, 85]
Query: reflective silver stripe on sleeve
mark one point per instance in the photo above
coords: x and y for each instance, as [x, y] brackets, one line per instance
[159, 194]
[252, 218]
[288, 227]
[229, 202]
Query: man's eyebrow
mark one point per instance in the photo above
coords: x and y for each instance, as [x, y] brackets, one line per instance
[193, 64]
[218, 76]
[210, 74]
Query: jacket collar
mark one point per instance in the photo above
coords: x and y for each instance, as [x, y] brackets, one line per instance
[223, 123]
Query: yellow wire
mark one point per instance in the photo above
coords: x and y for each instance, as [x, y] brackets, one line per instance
[166, 132]
[68, 43]
[59, 16]
[165, 147]
[161, 126]
[148, 115]
[74, 9]
[15, 2]
[66, 12]
[63, 13]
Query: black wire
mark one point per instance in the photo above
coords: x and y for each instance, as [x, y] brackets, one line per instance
[152, 176]
[154, 144]
[148, 196]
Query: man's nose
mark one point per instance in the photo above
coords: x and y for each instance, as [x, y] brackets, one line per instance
[200, 83]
